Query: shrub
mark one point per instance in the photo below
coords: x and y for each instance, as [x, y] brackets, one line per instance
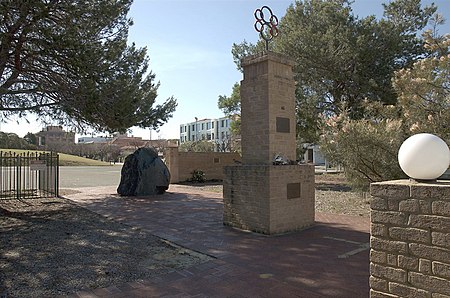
[367, 149]
[198, 176]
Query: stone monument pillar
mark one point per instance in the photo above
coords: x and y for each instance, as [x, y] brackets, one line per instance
[258, 195]
[268, 109]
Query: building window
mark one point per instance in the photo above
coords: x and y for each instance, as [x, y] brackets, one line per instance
[212, 136]
[193, 127]
[222, 123]
[203, 126]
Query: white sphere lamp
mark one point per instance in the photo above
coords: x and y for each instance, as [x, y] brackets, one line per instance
[424, 156]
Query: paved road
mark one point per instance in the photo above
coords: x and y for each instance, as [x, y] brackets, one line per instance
[74, 177]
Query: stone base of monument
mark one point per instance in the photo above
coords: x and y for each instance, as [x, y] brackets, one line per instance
[269, 199]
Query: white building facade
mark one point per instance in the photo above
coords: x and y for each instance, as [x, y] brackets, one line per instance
[213, 130]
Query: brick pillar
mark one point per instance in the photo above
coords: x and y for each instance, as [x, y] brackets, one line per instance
[268, 125]
[410, 239]
[172, 157]
[258, 195]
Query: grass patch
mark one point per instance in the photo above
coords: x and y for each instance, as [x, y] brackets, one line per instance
[64, 159]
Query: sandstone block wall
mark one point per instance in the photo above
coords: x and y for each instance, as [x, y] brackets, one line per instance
[269, 199]
[182, 164]
[410, 239]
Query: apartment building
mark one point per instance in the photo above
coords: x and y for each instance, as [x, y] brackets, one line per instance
[214, 130]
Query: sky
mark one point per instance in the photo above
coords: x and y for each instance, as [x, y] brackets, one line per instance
[189, 45]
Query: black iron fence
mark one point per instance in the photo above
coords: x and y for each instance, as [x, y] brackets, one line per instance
[29, 175]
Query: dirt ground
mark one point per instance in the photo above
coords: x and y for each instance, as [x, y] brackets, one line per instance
[334, 195]
[52, 248]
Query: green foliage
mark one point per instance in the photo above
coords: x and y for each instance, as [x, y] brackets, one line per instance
[424, 89]
[344, 68]
[231, 107]
[367, 149]
[198, 176]
[12, 141]
[343, 60]
[244, 49]
[196, 146]
[31, 138]
[57, 63]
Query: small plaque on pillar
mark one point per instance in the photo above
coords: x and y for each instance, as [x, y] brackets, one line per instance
[283, 125]
[293, 190]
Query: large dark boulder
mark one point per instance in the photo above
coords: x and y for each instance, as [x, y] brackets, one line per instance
[143, 173]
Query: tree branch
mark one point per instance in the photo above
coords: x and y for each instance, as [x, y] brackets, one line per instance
[32, 108]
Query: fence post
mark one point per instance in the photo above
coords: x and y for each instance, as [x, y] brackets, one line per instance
[18, 174]
[29, 175]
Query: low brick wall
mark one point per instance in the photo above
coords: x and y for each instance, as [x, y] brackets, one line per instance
[410, 239]
[182, 164]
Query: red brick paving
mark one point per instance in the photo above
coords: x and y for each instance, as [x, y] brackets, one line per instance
[302, 264]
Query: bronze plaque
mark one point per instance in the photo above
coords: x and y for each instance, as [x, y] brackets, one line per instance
[283, 125]
[293, 190]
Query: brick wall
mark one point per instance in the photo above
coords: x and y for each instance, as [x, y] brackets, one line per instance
[410, 239]
[182, 164]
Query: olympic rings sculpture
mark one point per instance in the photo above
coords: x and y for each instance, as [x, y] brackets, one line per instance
[267, 28]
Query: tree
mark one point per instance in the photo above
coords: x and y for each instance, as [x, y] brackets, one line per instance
[227, 145]
[12, 141]
[56, 61]
[367, 148]
[342, 60]
[424, 89]
[196, 146]
[231, 107]
[245, 48]
[344, 66]
[31, 138]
